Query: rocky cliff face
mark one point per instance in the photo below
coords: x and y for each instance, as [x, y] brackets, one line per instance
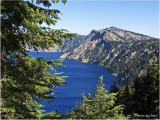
[122, 52]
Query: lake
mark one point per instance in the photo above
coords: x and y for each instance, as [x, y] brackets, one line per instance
[83, 78]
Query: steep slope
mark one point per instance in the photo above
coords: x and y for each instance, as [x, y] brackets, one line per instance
[116, 34]
[124, 53]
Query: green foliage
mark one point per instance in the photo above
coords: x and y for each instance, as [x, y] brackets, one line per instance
[101, 106]
[25, 80]
[125, 58]
[114, 88]
[128, 64]
[141, 96]
[52, 115]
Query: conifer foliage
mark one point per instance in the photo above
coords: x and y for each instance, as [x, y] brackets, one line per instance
[24, 79]
[101, 106]
[141, 96]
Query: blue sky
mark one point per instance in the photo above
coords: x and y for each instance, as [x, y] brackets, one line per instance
[81, 16]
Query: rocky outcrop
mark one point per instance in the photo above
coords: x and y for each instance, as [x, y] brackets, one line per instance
[116, 34]
[120, 51]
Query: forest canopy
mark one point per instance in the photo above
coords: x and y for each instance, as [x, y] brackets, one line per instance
[24, 79]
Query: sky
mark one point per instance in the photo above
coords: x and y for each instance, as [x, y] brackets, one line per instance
[80, 16]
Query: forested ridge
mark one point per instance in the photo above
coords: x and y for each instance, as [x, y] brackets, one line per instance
[26, 80]
[122, 56]
[137, 100]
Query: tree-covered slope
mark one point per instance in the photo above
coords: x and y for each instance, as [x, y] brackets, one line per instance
[137, 100]
[124, 57]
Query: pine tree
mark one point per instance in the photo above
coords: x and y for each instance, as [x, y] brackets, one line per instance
[151, 88]
[142, 95]
[114, 88]
[25, 80]
[103, 103]
[127, 100]
[101, 106]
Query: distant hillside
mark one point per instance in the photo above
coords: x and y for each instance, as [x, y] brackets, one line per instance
[73, 43]
[70, 43]
[122, 52]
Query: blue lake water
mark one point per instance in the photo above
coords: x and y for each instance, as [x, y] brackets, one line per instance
[83, 78]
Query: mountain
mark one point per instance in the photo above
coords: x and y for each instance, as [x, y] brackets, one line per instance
[116, 34]
[55, 49]
[69, 44]
[73, 43]
[123, 53]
